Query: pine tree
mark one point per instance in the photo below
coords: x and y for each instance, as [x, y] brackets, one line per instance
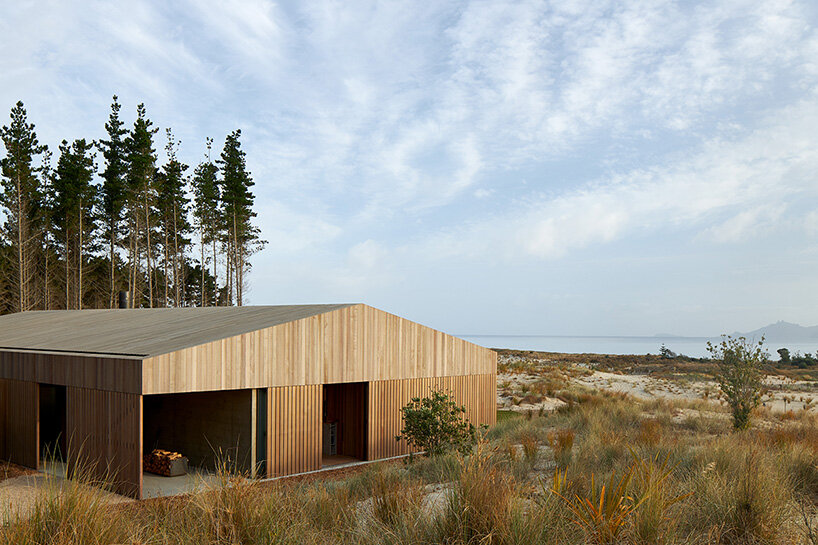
[242, 237]
[74, 197]
[141, 201]
[21, 197]
[48, 238]
[113, 192]
[173, 210]
[207, 219]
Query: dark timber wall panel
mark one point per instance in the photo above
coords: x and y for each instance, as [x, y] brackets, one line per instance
[353, 344]
[99, 373]
[19, 408]
[386, 398]
[293, 429]
[105, 435]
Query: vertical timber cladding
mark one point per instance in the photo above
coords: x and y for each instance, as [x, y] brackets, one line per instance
[105, 437]
[352, 344]
[19, 422]
[386, 398]
[294, 429]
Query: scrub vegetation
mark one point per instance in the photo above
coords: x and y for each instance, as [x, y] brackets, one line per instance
[606, 467]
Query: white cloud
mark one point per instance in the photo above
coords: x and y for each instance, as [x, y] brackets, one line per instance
[745, 223]
[726, 191]
[366, 255]
[387, 135]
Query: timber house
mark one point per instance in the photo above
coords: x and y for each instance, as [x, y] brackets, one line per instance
[265, 385]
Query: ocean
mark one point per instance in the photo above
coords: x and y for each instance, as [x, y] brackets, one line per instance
[695, 347]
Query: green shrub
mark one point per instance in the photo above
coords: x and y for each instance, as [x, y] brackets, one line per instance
[739, 375]
[435, 424]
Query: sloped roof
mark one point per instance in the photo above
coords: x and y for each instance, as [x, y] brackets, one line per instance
[141, 332]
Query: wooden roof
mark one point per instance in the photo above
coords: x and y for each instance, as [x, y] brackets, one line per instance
[141, 332]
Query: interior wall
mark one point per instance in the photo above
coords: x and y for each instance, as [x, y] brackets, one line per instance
[204, 426]
[346, 404]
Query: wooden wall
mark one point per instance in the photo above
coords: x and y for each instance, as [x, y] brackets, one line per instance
[295, 423]
[293, 429]
[352, 344]
[19, 426]
[95, 372]
[105, 437]
[386, 398]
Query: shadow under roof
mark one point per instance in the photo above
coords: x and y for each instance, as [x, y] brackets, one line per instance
[141, 332]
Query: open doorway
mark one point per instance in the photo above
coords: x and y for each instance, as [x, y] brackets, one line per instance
[52, 423]
[210, 429]
[344, 423]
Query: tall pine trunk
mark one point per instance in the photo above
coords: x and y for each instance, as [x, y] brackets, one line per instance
[79, 260]
[148, 248]
[176, 261]
[20, 251]
[202, 283]
[67, 270]
[215, 281]
[112, 295]
[165, 265]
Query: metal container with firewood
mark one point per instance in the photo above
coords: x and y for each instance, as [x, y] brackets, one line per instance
[165, 463]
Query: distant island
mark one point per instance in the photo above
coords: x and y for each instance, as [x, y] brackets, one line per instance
[782, 331]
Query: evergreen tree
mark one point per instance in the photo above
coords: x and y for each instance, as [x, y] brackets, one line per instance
[242, 237]
[21, 197]
[113, 192]
[141, 202]
[50, 251]
[72, 214]
[173, 210]
[207, 220]
[50, 256]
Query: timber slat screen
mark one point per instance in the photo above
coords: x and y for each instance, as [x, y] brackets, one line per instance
[294, 429]
[105, 437]
[387, 397]
[19, 408]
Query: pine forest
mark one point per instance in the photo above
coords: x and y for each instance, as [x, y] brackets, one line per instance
[91, 219]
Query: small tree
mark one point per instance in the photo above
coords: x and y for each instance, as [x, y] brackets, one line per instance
[739, 375]
[436, 424]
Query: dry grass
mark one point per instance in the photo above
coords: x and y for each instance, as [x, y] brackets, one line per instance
[673, 473]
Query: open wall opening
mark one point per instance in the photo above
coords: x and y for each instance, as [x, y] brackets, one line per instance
[344, 423]
[52, 413]
[206, 427]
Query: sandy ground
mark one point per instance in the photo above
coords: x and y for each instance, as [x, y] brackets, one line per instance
[646, 387]
[782, 395]
[18, 494]
[515, 382]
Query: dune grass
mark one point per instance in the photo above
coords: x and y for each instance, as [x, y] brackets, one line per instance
[627, 472]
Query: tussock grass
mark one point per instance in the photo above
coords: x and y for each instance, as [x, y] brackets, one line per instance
[673, 472]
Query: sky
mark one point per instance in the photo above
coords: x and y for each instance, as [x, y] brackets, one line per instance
[590, 167]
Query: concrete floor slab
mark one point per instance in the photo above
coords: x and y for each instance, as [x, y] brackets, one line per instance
[157, 486]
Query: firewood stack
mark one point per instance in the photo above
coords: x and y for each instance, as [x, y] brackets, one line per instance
[166, 463]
